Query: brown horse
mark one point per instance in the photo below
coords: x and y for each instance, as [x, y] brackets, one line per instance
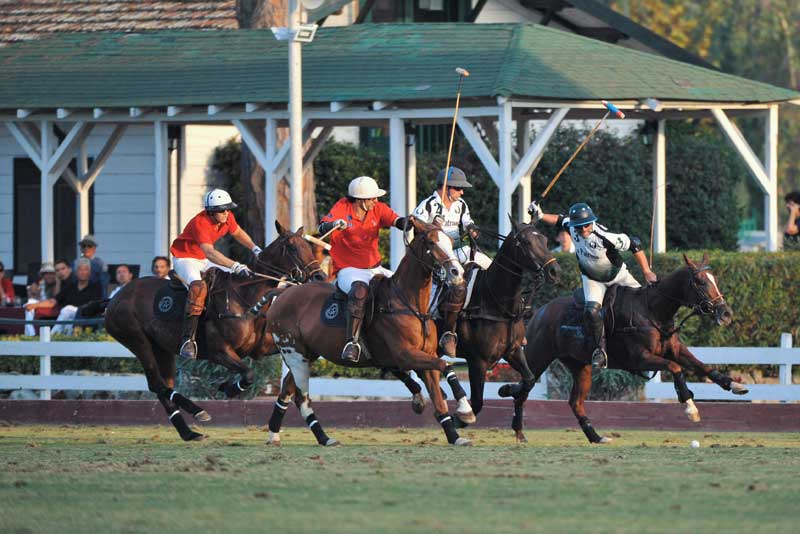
[642, 337]
[400, 334]
[232, 325]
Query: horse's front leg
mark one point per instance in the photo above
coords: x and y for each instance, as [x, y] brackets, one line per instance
[651, 362]
[519, 391]
[581, 385]
[441, 412]
[417, 400]
[288, 389]
[228, 358]
[688, 360]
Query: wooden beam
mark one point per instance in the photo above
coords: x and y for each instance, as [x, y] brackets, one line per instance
[251, 107]
[338, 106]
[379, 105]
[533, 155]
[138, 112]
[251, 138]
[108, 148]
[173, 111]
[484, 154]
[735, 137]
[98, 112]
[63, 113]
[31, 147]
[214, 109]
[316, 145]
[66, 150]
[24, 113]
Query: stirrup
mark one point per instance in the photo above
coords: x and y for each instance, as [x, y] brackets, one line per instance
[346, 351]
[189, 349]
[599, 359]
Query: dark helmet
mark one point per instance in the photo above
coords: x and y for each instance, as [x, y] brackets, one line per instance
[457, 178]
[581, 214]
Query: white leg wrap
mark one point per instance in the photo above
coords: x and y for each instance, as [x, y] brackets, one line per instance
[305, 408]
[463, 406]
[274, 437]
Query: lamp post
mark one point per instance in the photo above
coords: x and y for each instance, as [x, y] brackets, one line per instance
[295, 119]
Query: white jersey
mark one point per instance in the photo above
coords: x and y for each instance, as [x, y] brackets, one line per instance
[456, 217]
[599, 254]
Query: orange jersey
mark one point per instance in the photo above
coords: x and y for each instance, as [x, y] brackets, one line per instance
[357, 245]
[201, 229]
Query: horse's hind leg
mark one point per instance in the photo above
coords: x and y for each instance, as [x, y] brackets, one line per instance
[166, 365]
[417, 400]
[299, 366]
[581, 384]
[441, 412]
[464, 412]
[228, 358]
[285, 396]
[519, 391]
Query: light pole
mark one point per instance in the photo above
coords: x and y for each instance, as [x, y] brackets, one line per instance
[295, 119]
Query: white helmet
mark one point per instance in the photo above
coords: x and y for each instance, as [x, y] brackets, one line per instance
[218, 200]
[364, 187]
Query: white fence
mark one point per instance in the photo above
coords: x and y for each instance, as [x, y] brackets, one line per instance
[784, 356]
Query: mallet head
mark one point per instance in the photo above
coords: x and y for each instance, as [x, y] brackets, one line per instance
[462, 71]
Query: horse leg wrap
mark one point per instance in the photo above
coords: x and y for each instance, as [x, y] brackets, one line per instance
[588, 430]
[516, 420]
[184, 403]
[455, 385]
[316, 429]
[180, 425]
[681, 388]
[721, 380]
[449, 427]
[232, 390]
[276, 419]
[412, 385]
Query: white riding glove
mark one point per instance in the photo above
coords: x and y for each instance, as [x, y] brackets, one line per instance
[240, 269]
[535, 211]
[256, 250]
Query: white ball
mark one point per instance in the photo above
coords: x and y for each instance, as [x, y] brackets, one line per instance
[695, 444]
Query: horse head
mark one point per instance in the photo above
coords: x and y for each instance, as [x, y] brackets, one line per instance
[433, 248]
[531, 253]
[703, 292]
[290, 254]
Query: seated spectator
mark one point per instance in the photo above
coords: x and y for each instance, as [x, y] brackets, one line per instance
[64, 272]
[123, 276]
[565, 241]
[6, 288]
[73, 296]
[48, 285]
[99, 268]
[791, 233]
[160, 267]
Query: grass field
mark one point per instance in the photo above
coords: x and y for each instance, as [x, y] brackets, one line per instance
[143, 479]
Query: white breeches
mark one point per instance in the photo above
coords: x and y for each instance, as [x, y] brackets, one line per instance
[594, 291]
[67, 313]
[480, 258]
[348, 275]
[191, 269]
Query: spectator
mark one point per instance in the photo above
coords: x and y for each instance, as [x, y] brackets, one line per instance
[73, 296]
[123, 276]
[64, 272]
[6, 288]
[48, 285]
[99, 268]
[565, 243]
[791, 234]
[160, 267]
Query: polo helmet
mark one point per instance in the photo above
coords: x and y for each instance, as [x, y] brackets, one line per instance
[218, 200]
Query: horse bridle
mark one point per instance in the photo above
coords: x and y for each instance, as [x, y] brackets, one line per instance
[539, 268]
[296, 273]
[419, 259]
[704, 305]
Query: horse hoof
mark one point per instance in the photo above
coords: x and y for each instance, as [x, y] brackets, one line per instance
[468, 418]
[462, 442]
[194, 436]
[521, 438]
[738, 389]
[692, 412]
[418, 403]
[331, 443]
[458, 422]
[274, 439]
[505, 391]
[202, 416]
[605, 440]
[464, 411]
[274, 442]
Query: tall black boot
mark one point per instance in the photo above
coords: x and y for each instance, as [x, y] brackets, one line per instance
[595, 332]
[189, 346]
[356, 303]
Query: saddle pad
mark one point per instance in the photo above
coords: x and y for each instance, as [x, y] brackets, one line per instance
[168, 304]
[334, 312]
[472, 276]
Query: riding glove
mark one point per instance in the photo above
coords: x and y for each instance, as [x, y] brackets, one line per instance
[240, 269]
[535, 211]
[256, 250]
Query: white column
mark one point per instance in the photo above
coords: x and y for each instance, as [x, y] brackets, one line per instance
[411, 172]
[295, 122]
[270, 183]
[48, 143]
[82, 201]
[397, 184]
[160, 219]
[660, 187]
[505, 126]
[524, 140]
[771, 167]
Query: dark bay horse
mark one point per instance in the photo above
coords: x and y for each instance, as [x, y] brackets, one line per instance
[232, 325]
[641, 333]
[400, 334]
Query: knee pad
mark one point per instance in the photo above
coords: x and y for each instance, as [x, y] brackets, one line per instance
[592, 311]
[359, 290]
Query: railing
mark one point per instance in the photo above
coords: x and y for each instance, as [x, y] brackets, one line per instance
[784, 356]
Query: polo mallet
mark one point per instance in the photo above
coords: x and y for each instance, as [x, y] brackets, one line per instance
[461, 74]
[611, 109]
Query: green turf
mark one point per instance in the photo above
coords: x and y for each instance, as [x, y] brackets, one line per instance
[143, 479]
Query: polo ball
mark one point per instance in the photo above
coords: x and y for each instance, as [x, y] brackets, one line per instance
[695, 444]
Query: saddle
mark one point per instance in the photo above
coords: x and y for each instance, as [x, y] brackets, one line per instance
[170, 301]
[573, 324]
[334, 309]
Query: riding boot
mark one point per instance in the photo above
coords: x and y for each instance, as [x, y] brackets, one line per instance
[195, 302]
[451, 306]
[595, 333]
[356, 303]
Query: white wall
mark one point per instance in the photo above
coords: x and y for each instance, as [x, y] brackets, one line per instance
[9, 149]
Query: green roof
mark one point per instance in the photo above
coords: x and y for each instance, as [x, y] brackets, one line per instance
[353, 63]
